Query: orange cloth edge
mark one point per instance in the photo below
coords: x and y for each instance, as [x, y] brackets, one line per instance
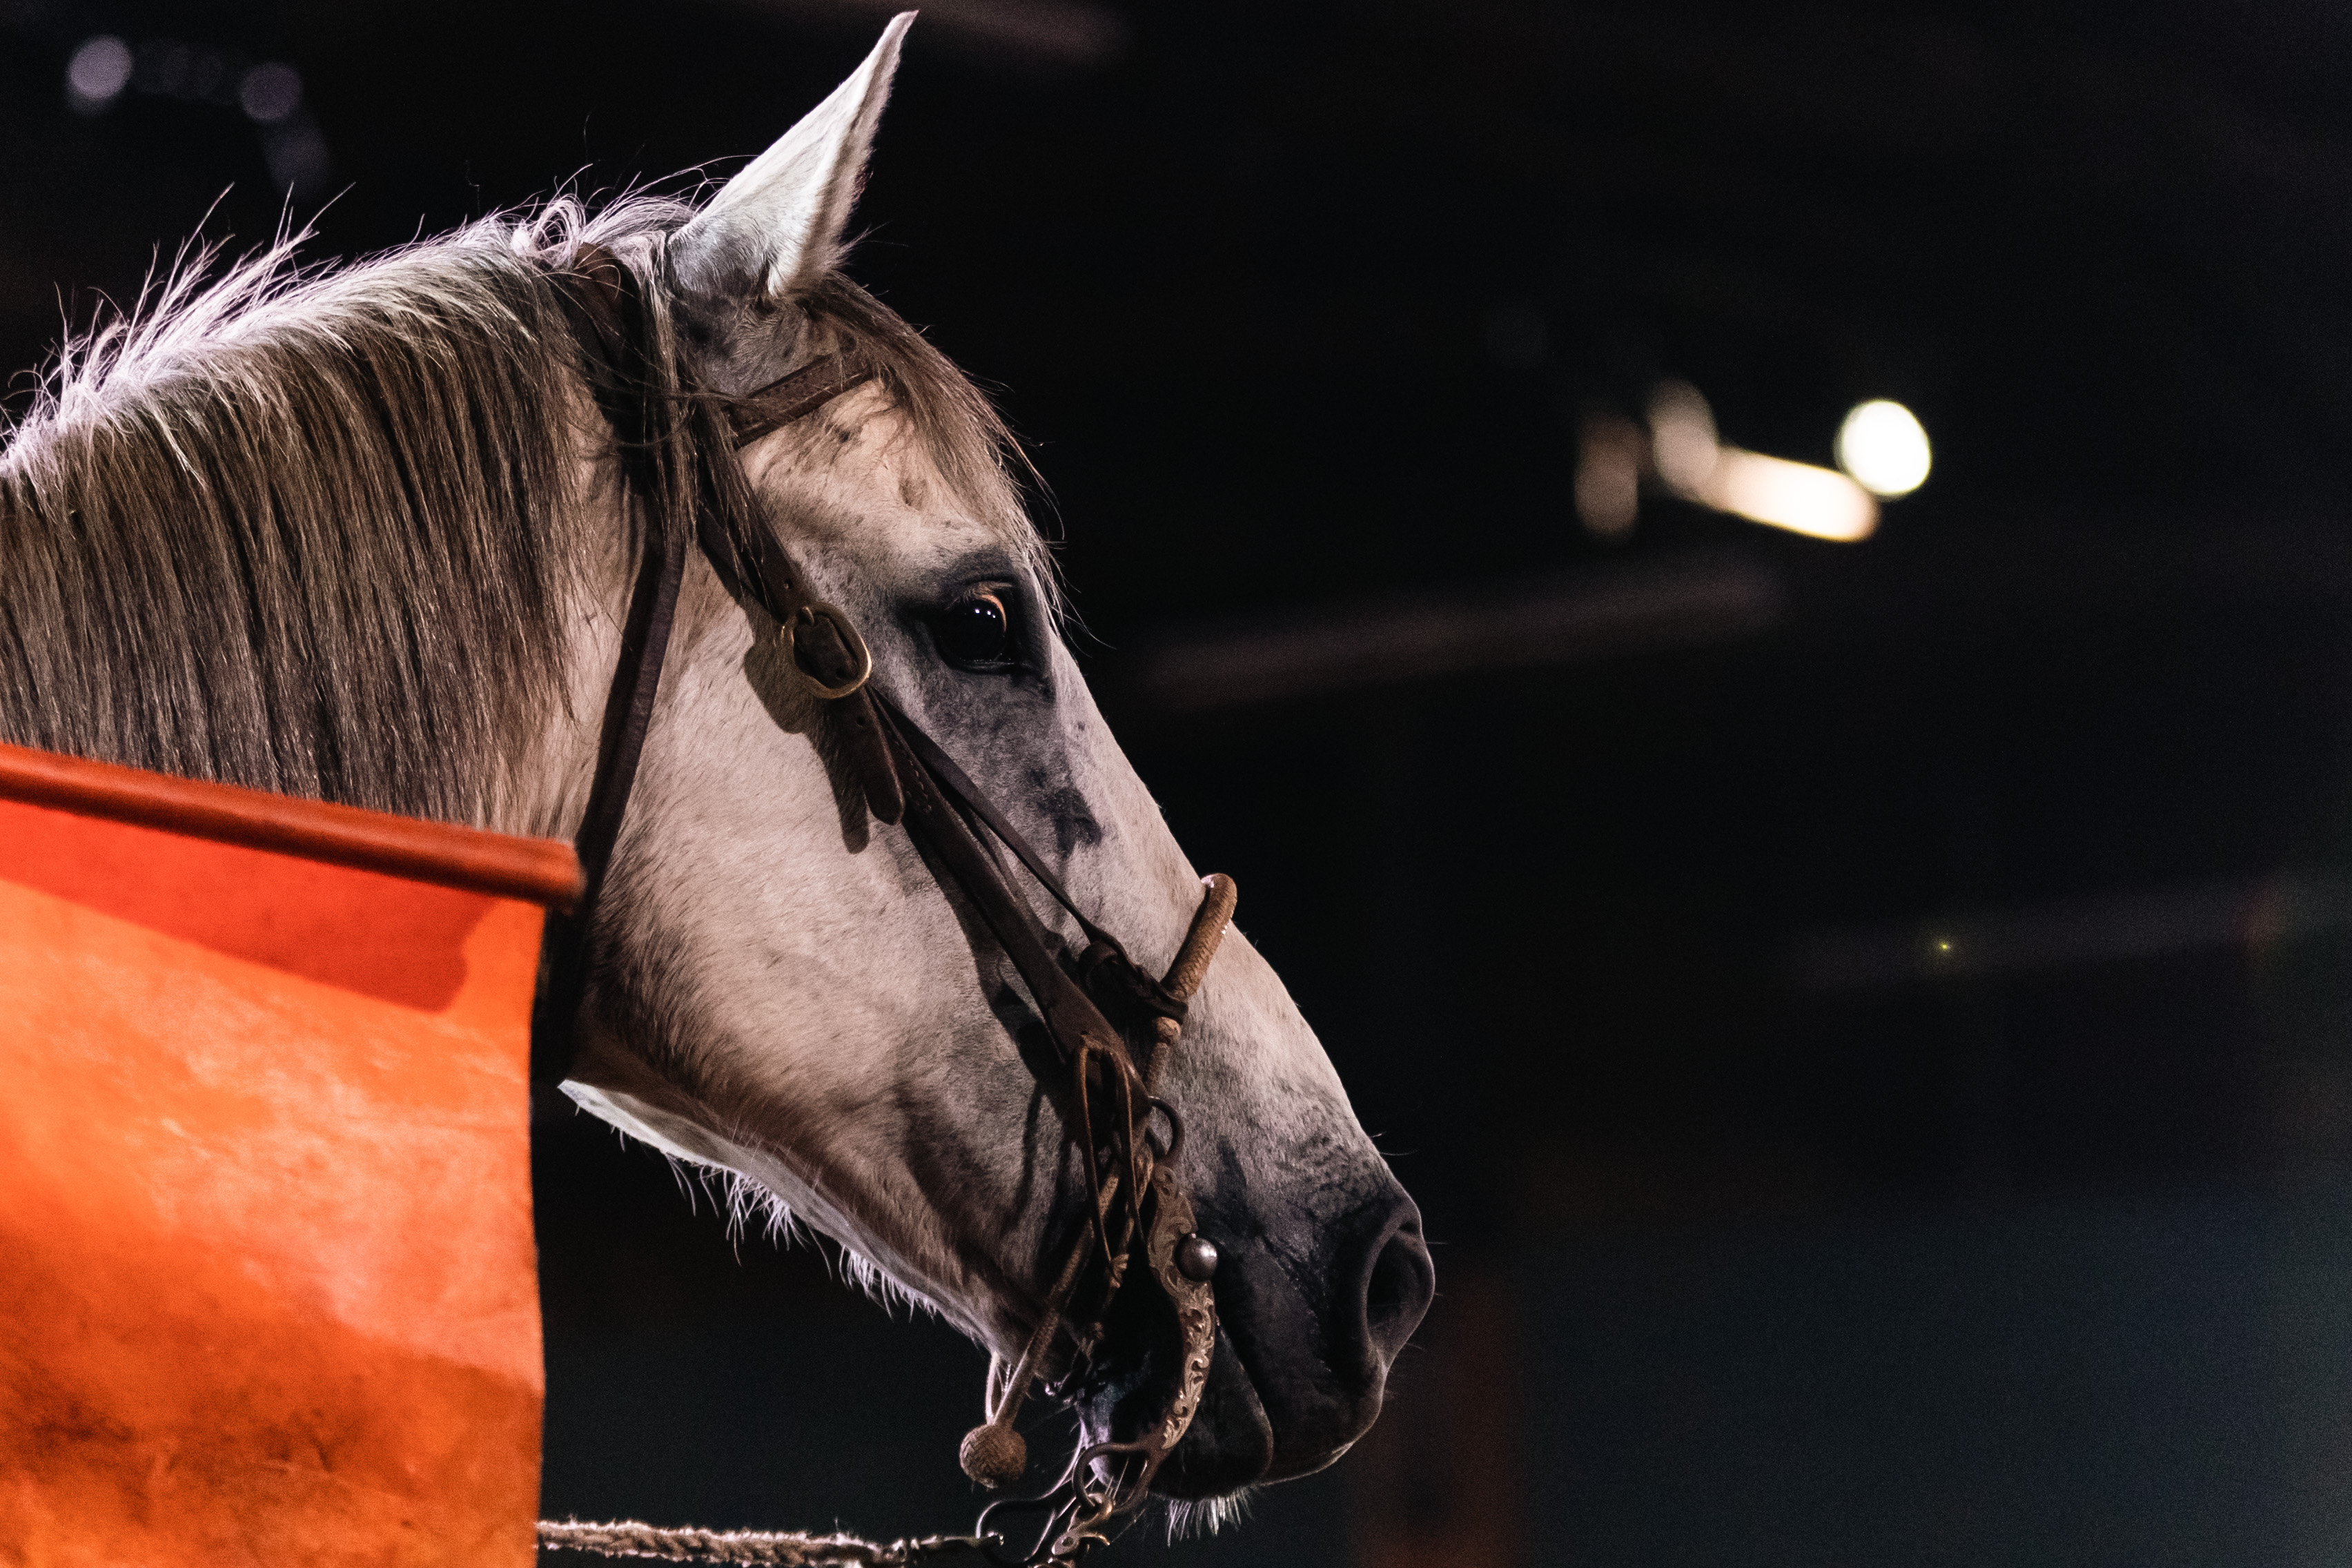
[537, 870]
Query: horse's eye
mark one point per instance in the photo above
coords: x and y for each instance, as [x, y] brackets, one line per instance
[975, 631]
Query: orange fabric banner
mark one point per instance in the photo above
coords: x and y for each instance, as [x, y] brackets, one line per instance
[267, 1287]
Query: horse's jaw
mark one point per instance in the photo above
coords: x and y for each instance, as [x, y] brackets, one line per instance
[612, 1084]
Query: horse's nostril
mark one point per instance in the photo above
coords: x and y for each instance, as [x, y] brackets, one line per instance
[1391, 1283]
[1398, 1289]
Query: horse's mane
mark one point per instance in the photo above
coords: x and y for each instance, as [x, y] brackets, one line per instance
[313, 531]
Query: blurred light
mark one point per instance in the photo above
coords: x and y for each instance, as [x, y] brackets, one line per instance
[2123, 925]
[164, 69]
[98, 72]
[269, 93]
[1609, 477]
[207, 76]
[1681, 439]
[1660, 601]
[298, 156]
[1820, 502]
[1882, 445]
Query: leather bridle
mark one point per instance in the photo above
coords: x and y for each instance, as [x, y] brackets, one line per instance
[903, 777]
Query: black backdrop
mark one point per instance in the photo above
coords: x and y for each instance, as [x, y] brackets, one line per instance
[1934, 944]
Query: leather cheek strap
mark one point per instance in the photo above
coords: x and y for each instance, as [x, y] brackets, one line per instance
[826, 649]
[868, 748]
[1071, 1017]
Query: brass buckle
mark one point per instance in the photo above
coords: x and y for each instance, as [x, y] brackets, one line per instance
[845, 634]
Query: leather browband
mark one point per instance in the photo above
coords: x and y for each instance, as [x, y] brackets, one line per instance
[791, 398]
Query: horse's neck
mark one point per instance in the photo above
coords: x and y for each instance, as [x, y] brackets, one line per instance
[130, 680]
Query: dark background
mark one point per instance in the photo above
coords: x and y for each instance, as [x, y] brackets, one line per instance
[1867, 1024]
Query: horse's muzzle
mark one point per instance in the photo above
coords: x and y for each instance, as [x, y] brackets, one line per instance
[1309, 1324]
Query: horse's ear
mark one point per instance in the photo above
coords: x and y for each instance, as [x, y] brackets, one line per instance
[776, 227]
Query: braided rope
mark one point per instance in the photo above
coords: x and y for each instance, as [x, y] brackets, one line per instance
[757, 1548]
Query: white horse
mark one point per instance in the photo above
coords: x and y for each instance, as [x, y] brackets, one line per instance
[364, 534]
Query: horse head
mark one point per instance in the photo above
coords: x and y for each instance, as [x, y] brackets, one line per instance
[788, 991]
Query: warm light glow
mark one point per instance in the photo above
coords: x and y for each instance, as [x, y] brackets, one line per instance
[270, 92]
[1681, 439]
[1799, 496]
[1819, 502]
[1609, 477]
[98, 72]
[1881, 443]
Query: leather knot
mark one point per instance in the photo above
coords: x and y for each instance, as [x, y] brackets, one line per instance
[1114, 978]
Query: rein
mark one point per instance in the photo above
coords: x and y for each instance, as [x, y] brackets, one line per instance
[1136, 1202]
